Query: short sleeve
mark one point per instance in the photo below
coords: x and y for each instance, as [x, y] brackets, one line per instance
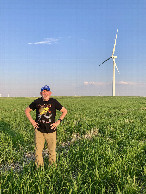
[32, 105]
[58, 106]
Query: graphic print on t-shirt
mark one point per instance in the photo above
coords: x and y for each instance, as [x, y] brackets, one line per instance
[44, 113]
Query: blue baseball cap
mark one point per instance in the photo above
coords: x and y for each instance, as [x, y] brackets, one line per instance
[45, 88]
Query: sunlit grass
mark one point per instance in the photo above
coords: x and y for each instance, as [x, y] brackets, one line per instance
[100, 147]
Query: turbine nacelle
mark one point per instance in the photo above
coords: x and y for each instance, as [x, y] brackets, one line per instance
[113, 57]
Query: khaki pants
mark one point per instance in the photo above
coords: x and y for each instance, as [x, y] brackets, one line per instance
[39, 141]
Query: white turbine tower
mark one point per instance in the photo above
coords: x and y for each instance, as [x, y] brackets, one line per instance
[114, 65]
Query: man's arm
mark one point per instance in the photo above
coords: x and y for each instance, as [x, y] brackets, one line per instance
[27, 112]
[64, 112]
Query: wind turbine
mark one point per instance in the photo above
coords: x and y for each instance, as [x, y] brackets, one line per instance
[114, 65]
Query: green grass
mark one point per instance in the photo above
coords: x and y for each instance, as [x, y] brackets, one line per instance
[112, 160]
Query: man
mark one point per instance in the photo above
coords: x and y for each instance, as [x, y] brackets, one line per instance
[45, 125]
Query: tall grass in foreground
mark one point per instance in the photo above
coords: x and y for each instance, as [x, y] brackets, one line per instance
[109, 160]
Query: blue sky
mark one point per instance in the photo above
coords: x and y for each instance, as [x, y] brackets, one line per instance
[61, 43]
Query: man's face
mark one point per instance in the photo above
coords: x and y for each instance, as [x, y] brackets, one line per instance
[46, 94]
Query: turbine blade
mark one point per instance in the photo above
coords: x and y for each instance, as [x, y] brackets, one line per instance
[117, 68]
[115, 44]
[105, 60]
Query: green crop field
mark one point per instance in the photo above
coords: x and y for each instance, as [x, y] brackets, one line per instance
[100, 147]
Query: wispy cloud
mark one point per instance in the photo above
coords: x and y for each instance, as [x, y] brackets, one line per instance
[132, 83]
[95, 83]
[47, 41]
[123, 83]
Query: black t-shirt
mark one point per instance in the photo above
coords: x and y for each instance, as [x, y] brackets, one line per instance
[45, 113]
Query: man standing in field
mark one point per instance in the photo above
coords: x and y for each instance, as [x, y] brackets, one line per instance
[45, 125]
